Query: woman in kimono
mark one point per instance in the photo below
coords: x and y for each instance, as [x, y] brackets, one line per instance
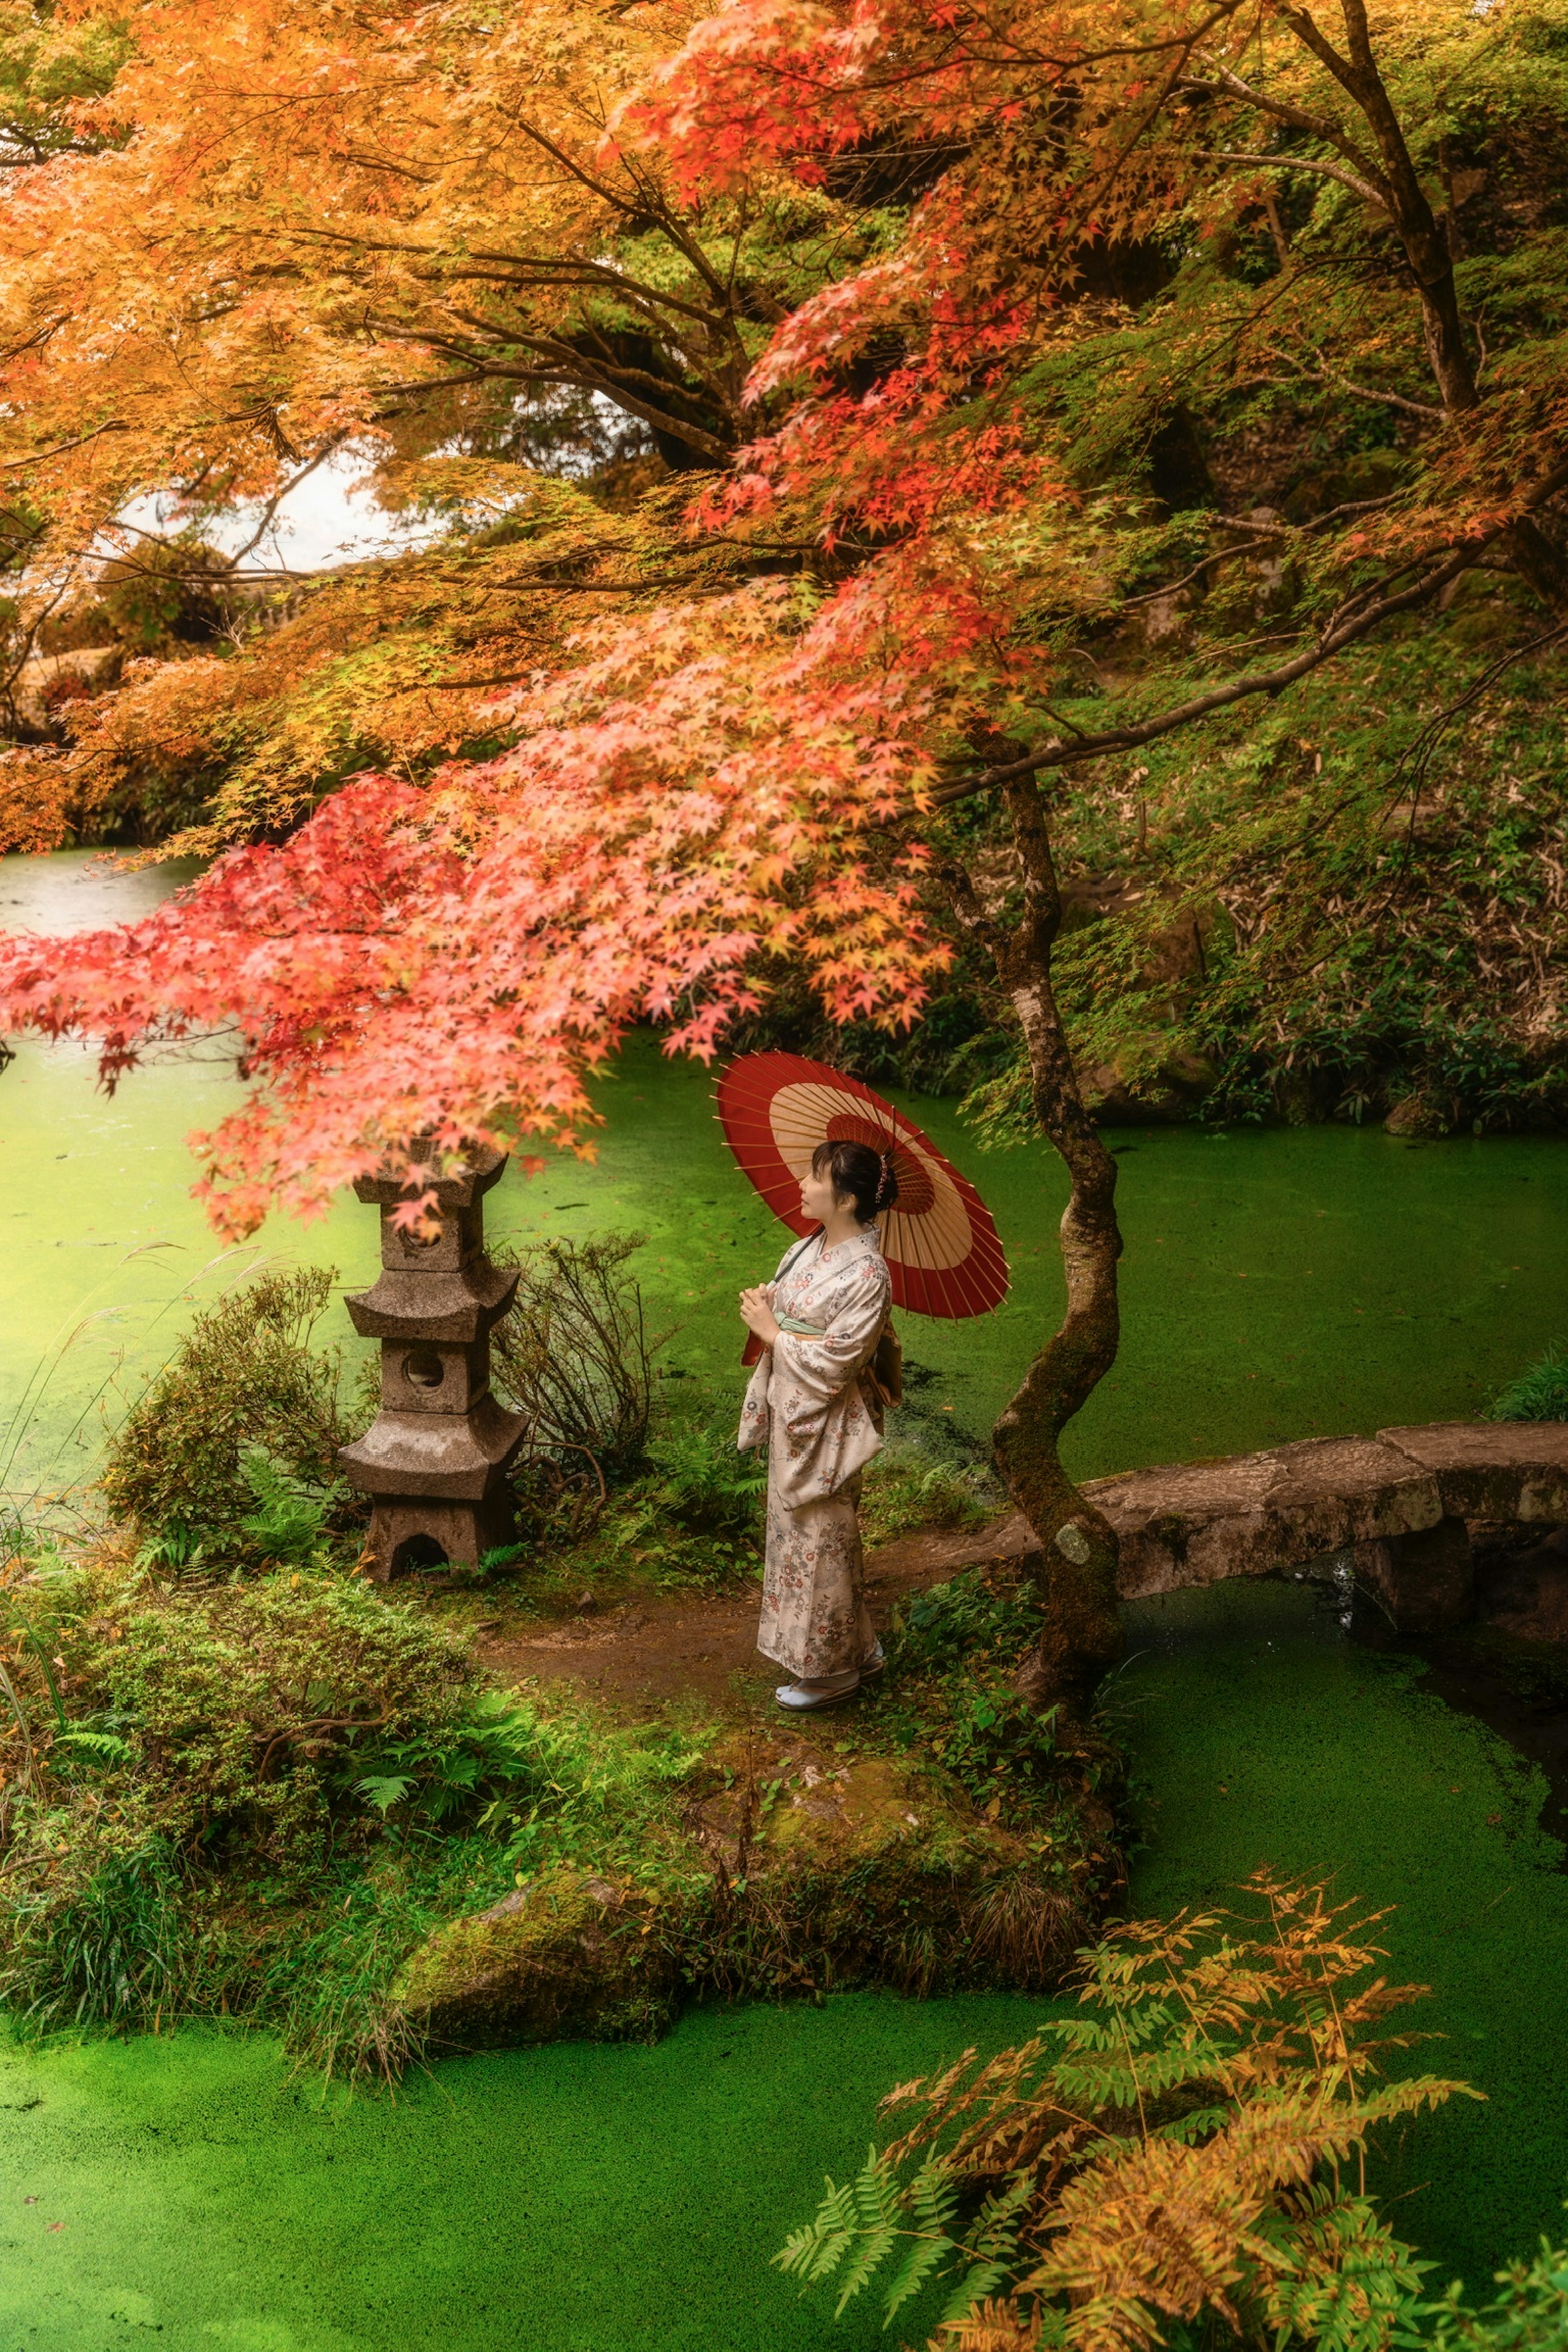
[812, 1403]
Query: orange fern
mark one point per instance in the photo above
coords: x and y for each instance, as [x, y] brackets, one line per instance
[1188, 2146]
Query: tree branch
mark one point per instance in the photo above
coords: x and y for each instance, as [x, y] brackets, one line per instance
[1346, 178]
[1347, 628]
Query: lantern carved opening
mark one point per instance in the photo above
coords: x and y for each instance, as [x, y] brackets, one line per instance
[434, 1460]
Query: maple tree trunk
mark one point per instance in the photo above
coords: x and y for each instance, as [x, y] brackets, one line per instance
[1082, 1635]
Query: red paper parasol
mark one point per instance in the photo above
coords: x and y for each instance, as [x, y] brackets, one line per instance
[939, 1241]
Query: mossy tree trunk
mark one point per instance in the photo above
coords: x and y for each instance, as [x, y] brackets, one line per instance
[1081, 1636]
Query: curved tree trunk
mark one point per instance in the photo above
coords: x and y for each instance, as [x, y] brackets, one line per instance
[1082, 1634]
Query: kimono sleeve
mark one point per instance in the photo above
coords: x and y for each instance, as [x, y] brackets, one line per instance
[754, 1429]
[821, 1368]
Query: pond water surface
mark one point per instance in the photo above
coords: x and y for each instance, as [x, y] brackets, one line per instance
[608, 2200]
[1278, 1283]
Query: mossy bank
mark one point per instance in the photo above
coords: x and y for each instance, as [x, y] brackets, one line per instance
[290, 1798]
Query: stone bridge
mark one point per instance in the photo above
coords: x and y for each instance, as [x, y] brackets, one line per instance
[1408, 1508]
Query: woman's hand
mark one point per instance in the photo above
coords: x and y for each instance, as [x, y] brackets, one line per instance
[757, 1314]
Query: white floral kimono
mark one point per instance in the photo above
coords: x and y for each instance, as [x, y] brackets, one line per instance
[821, 1424]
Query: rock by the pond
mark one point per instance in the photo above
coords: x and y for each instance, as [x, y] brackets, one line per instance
[858, 1871]
[566, 1955]
[1417, 1116]
[800, 1871]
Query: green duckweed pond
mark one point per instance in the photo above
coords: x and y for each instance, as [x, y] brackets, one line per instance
[1278, 1283]
[592, 2199]
[583, 2198]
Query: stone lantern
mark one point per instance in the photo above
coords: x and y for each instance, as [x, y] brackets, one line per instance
[435, 1459]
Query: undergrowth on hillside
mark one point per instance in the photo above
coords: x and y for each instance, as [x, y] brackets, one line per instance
[952, 1653]
[250, 1798]
[256, 1795]
[247, 1377]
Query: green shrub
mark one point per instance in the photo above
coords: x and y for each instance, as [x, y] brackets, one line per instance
[694, 1519]
[904, 1489]
[106, 1942]
[225, 1729]
[245, 1378]
[984, 1616]
[511, 1764]
[953, 1652]
[1539, 1394]
[706, 1484]
[1531, 2315]
[257, 1797]
[252, 1711]
[290, 1518]
[574, 1358]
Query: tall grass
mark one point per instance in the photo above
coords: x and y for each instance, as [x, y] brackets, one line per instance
[1539, 1394]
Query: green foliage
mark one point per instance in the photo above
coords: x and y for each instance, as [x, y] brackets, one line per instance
[904, 1488]
[953, 1652]
[1529, 2315]
[245, 1386]
[111, 1948]
[706, 1484]
[692, 1519]
[598, 1794]
[1325, 913]
[1539, 1394]
[290, 1518]
[214, 1740]
[47, 68]
[256, 1798]
[519, 1764]
[250, 1708]
[984, 1616]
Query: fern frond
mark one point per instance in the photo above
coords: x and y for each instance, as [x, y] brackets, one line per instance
[924, 2259]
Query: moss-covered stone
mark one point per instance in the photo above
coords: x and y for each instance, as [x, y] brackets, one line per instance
[858, 1871]
[803, 1872]
[565, 1957]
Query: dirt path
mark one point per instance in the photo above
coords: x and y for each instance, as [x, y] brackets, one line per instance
[648, 1651]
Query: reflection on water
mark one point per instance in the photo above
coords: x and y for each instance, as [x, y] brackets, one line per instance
[83, 890]
[1247, 1614]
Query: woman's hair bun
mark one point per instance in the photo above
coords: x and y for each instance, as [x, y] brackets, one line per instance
[858, 1174]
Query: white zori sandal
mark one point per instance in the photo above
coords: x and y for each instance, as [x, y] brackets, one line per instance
[826, 1690]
